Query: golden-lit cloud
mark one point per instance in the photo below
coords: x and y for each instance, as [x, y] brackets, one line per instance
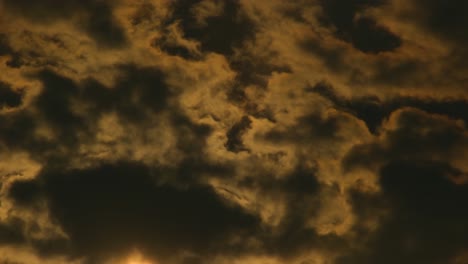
[223, 131]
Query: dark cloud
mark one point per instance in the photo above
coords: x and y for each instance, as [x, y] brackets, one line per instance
[254, 69]
[301, 191]
[95, 17]
[332, 57]
[175, 49]
[9, 97]
[301, 182]
[308, 129]
[146, 86]
[417, 136]
[445, 18]
[363, 33]
[373, 111]
[396, 74]
[117, 206]
[426, 211]
[55, 105]
[25, 192]
[16, 130]
[154, 197]
[11, 232]
[170, 40]
[103, 27]
[369, 37]
[34, 55]
[226, 32]
[6, 50]
[4, 47]
[234, 135]
[220, 32]
[421, 205]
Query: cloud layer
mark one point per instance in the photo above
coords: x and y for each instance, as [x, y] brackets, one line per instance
[222, 131]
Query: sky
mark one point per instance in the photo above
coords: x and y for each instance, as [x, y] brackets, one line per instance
[233, 132]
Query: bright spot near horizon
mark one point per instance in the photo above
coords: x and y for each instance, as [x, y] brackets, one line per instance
[137, 258]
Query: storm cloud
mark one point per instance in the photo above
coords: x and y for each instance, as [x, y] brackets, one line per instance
[224, 132]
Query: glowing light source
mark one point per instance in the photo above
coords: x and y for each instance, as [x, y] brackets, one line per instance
[137, 258]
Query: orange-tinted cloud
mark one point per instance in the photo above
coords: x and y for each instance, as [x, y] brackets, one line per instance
[222, 131]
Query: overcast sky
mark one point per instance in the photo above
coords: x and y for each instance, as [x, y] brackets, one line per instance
[233, 132]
